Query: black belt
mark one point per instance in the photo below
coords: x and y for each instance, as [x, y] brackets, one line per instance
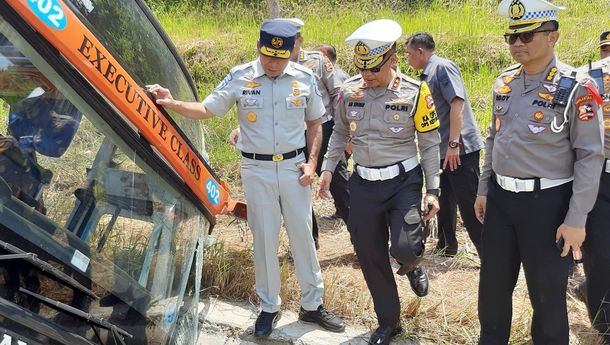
[276, 158]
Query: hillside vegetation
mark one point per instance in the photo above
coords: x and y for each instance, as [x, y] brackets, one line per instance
[215, 35]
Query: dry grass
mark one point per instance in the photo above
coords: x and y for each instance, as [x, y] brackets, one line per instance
[448, 315]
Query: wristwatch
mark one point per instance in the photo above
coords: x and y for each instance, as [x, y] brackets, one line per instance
[436, 192]
[454, 144]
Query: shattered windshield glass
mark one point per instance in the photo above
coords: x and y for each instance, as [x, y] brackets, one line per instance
[95, 247]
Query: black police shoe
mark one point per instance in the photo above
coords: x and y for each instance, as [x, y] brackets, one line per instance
[265, 322]
[419, 281]
[384, 334]
[324, 318]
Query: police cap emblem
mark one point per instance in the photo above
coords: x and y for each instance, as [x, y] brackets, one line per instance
[516, 10]
[277, 42]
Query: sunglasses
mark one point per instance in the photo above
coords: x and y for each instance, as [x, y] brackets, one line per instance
[378, 68]
[525, 37]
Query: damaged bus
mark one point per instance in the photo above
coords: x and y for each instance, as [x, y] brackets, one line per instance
[105, 199]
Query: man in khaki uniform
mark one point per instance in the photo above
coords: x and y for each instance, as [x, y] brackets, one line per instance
[383, 112]
[540, 178]
[275, 98]
[596, 248]
[329, 84]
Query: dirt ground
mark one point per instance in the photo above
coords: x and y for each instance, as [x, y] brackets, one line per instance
[448, 315]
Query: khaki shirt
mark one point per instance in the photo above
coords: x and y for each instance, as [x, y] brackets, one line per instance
[523, 144]
[605, 66]
[329, 82]
[383, 124]
[271, 112]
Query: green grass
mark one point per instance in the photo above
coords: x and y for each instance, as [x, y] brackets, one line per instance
[215, 36]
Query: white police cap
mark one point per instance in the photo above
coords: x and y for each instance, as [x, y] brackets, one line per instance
[527, 15]
[372, 41]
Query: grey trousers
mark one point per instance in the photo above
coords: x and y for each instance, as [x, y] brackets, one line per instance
[272, 190]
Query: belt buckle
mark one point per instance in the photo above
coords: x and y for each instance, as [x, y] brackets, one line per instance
[374, 174]
[277, 158]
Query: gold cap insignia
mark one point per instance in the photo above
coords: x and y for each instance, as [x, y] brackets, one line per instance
[516, 10]
[361, 48]
[277, 42]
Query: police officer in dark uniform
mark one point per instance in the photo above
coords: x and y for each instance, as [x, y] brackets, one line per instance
[383, 112]
[539, 180]
[596, 249]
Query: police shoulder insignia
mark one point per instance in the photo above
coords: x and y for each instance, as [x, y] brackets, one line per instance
[425, 117]
[225, 81]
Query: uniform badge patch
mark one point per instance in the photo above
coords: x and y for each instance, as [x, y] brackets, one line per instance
[507, 79]
[549, 87]
[425, 117]
[498, 124]
[296, 92]
[583, 99]
[545, 96]
[536, 129]
[606, 109]
[585, 112]
[356, 96]
[606, 82]
[396, 117]
[538, 116]
[607, 123]
[252, 85]
[504, 89]
[353, 126]
[297, 102]
[294, 84]
[251, 103]
[309, 64]
[498, 108]
[396, 130]
[353, 113]
[251, 116]
[551, 75]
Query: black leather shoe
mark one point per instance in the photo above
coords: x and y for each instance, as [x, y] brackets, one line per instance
[324, 318]
[265, 322]
[384, 334]
[419, 281]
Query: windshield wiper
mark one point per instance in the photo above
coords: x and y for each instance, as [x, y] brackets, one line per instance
[44, 266]
[100, 322]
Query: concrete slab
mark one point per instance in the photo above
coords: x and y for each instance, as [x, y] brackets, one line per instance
[229, 323]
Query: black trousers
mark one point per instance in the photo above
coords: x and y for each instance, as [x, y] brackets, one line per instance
[520, 228]
[338, 185]
[376, 206]
[596, 260]
[459, 188]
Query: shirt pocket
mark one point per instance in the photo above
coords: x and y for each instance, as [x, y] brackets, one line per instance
[396, 124]
[538, 126]
[296, 103]
[354, 117]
